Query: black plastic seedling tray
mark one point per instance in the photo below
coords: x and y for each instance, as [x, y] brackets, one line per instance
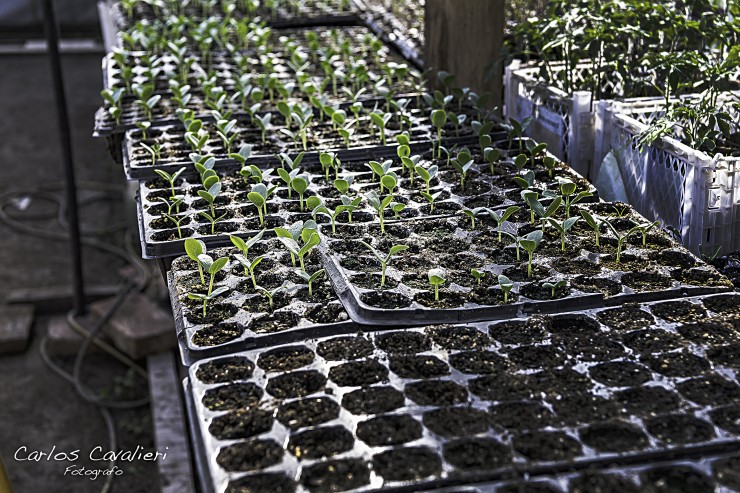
[383, 25]
[159, 237]
[661, 271]
[241, 318]
[450, 405]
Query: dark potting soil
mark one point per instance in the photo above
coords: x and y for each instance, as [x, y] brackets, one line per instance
[727, 418]
[345, 348]
[274, 322]
[295, 384]
[215, 313]
[373, 400]
[225, 370]
[727, 472]
[404, 342]
[250, 456]
[493, 387]
[678, 429]
[546, 445]
[585, 407]
[358, 373]
[679, 311]
[603, 285]
[326, 314]
[447, 299]
[710, 390]
[389, 430]
[520, 415]
[262, 483]
[451, 337]
[519, 331]
[728, 355]
[726, 304]
[647, 401]
[559, 382]
[385, 299]
[335, 475]
[645, 281]
[570, 326]
[243, 423]
[456, 421]
[595, 348]
[407, 464]
[537, 291]
[592, 482]
[478, 362]
[234, 396]
[652, 340]
[372, 281]
[436, 393]
[620, 374]
[477, 453]
[614, 436]
[626, 317]
[307, 412]
[675, 479]
[321, 442]
[285, 359]
[709, 332]
[412, 366]
[532, 356]
[219, 333]
[676, 364]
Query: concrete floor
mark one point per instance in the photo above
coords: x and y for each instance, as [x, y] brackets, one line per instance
[38, 410]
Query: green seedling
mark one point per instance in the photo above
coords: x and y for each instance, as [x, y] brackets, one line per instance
[439, 120]
[492, 156]
[549, 162]
[144, 128]
[462, 163]
[472, 214]
[328, 162]
[194, 248]
[350, 205]
[170, 179]
[333, 214]
[300, 185]
[249, 266]
[263, 122]
[515, 130]
[196, 136]
[245, 245]
[426, 174]
[555, 286]
[563, 227]
[431, 198]
[270, 294]
[502, 218]
[385, 259]
[380, 169]
[379, 206]
[298, 231]
[258, 196]
[288, 177]
[389, 182]
[213, 267]
[478, 275]
[525, 180]
[520, 162]
[175, 202]
[506, 286]
[645, 228]
[529, 243]
[437, 278]
[410, 163]
[535, 150]
[567, 189]
[397, 208]
[342, 184]
[621, 238]
[594, 222]
[311, 278]
[301, 251]
[543, 213]
[226, 131]
[210, 195]
[380, 121]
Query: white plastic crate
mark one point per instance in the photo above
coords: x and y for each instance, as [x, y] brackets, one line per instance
[697, 195]
[564, 122]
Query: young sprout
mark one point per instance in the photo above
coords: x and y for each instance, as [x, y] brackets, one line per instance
[439, 119]
[170, 179]
[530, 242]
[288, 177]
[378, 205]
[263, 122]
[431, 197]
[300, 185]
[196, 136]
[385, 260]
[543, 213]
[426, 174]
[258, 196]
[350, 205]
[563, 227]
[473, 213]
[437, 277]
[567, 189]
[478, 275]
[301, 251]
[310, 278]
[410, 163]
[506, 286]
[515, 129]
[549, 162]
[397, 208]
[342, 184]
[249, 266]
[492, 156]
[535, 150]
[143, 127]
[269, 293]
[380, 169]
[243, 245]
[213, 267]
[525, 180]
[333, 214]
[595, 222]
[555, 286]
[226, 131]
[194, 248]
[328, 160]
[645, 228]
[502, 218]
[389, 182]
[621, 238]
[520, 162]
[462, 163]
[173, 201]
[380, 121]
[210, 195]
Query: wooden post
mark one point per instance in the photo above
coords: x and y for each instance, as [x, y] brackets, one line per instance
[465, 38]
